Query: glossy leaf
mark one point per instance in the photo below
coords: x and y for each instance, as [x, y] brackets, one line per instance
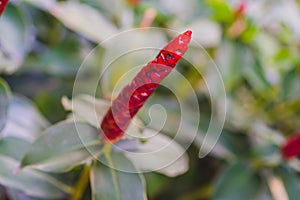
[108, 183]
[237, 181]
[161, 154]
[4, 102]
[62, 147]
[84, 20]
[24, 121]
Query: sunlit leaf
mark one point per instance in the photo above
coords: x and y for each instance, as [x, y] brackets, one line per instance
[84, 20]
[109, 183]
[63, 146]
[221, 10]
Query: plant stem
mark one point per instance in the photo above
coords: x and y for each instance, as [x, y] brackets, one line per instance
[107, 151]
[82, 183]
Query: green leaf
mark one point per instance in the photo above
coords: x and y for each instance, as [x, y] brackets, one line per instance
[221, 10]
[44, 5]
[236, 182]
[228, 60]
[290, 86]
[160, 153]
[84, 20]
[64, 58]
[108, 183]
[86, 108]
[16, 36]
[8, 147]
[14, 194]
[180, 9]
[4, 103]
[219, 150]
[63, 146]
[253, 71]
[31, 182]
[122, 50]
[24, 121]
[290, 181]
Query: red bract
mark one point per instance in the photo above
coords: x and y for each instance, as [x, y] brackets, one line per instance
[134, 95]
[291, 148]
[241, 8]
[3, 4]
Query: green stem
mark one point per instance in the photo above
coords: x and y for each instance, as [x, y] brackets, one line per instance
[82, 183]
[107, 151]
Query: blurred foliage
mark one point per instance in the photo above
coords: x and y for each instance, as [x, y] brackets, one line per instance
[255, 45]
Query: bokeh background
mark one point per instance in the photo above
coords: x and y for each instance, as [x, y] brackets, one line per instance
[255, 45]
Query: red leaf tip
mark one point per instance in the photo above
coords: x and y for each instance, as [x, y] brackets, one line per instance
[188, 33]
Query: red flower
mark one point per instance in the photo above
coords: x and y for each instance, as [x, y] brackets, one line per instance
[134, 95]
[3, 4]
[291, 148]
